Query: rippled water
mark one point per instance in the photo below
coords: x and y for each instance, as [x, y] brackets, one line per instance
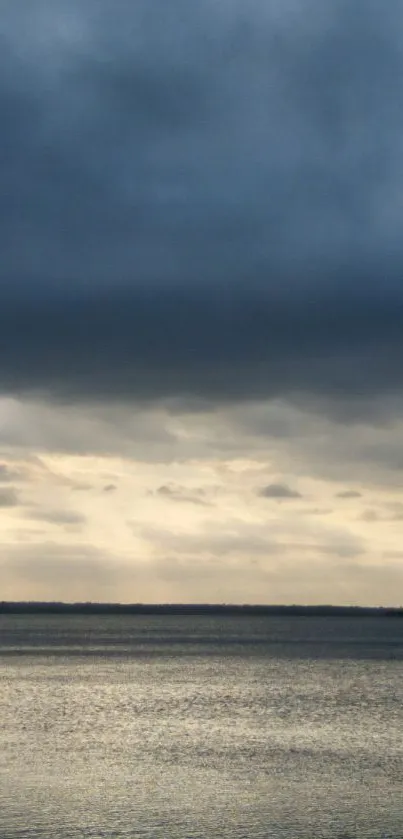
[201, 727]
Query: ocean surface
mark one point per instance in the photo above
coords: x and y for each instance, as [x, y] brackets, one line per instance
[195, 727]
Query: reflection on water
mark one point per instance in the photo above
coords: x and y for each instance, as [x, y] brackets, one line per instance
[201, 727]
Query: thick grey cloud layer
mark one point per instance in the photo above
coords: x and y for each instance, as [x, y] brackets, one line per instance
[201, 202]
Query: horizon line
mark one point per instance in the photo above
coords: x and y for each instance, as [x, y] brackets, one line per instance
[222, 607]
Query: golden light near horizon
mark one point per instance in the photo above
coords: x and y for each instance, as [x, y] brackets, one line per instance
[270, 526]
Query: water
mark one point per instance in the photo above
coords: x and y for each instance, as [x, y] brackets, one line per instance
[198, 727]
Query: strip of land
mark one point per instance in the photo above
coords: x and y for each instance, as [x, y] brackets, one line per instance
[56, 608]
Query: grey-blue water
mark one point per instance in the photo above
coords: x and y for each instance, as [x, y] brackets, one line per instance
[198, 727]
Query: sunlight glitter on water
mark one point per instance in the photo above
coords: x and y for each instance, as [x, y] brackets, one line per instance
[200, 738]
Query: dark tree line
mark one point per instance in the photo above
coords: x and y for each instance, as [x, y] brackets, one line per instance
[60, 608]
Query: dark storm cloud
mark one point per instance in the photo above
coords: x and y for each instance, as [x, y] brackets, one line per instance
[201, 202]
[279, 491]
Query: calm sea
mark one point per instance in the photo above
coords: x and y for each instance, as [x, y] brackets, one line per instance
[201, 727]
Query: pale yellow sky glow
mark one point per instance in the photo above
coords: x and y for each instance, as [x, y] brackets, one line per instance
[208, 507]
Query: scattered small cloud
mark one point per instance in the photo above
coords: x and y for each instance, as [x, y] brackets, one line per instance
[174, 492]
[349, 493]
[369, 515]
[395, 510]
[58, 517]
[316, 511]
[7, 474]
[8, 497]
[280, 491]
[109, 488]
[394, 513]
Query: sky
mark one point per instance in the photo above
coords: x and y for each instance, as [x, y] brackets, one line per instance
[201, 301]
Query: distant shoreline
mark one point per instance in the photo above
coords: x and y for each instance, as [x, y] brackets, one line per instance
[208, 609]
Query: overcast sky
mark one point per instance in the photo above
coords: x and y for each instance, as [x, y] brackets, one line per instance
[201, 300]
